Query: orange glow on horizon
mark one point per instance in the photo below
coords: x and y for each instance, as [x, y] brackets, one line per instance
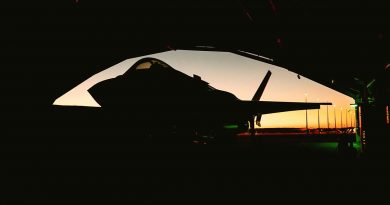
[240, 76]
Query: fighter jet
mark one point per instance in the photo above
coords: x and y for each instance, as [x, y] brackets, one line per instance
[155, 98]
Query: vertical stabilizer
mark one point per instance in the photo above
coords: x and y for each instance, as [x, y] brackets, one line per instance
[262, 86]
[257, 96]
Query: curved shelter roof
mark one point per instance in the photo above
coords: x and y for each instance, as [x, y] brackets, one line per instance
[341, 44]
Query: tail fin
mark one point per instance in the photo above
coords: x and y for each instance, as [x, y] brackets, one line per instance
[261, 88]
[258, 94]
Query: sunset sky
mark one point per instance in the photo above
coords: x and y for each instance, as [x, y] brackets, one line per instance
[240, 76]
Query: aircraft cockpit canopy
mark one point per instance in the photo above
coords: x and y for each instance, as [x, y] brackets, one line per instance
[149, 63]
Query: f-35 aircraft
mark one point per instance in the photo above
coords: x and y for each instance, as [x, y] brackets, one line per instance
[152, 97]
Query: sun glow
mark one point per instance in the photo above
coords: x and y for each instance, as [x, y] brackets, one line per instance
[238, 75]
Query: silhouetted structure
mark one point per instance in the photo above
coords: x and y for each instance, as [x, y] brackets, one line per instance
[51, 46]
[153, 98]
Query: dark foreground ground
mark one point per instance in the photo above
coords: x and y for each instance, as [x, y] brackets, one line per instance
[58, 161]
[120, 172]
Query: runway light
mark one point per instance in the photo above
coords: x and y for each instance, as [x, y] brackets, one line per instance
[230, 126]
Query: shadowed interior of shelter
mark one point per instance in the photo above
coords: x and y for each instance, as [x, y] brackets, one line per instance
[71, 154]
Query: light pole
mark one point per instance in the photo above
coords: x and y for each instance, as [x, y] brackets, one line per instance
[327, 115]
[334, 114]
[351, 118]
[346, 117]
[318, 116]
[341, 115]
[307, 127]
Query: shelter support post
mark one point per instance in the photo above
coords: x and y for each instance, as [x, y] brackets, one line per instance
[374, 130]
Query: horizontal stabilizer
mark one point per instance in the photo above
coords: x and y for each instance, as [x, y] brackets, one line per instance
[267, 107]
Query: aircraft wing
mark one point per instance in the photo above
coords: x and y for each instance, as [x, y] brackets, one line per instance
[267, 107]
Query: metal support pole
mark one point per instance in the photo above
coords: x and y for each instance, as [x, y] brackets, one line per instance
[307, 125]
[363, 117]
[351, 119]
[334, 110]
[327, 115]
[357, 123]
[318, 114]
[341, 116]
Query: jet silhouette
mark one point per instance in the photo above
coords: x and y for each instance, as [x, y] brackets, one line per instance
[153, 98]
